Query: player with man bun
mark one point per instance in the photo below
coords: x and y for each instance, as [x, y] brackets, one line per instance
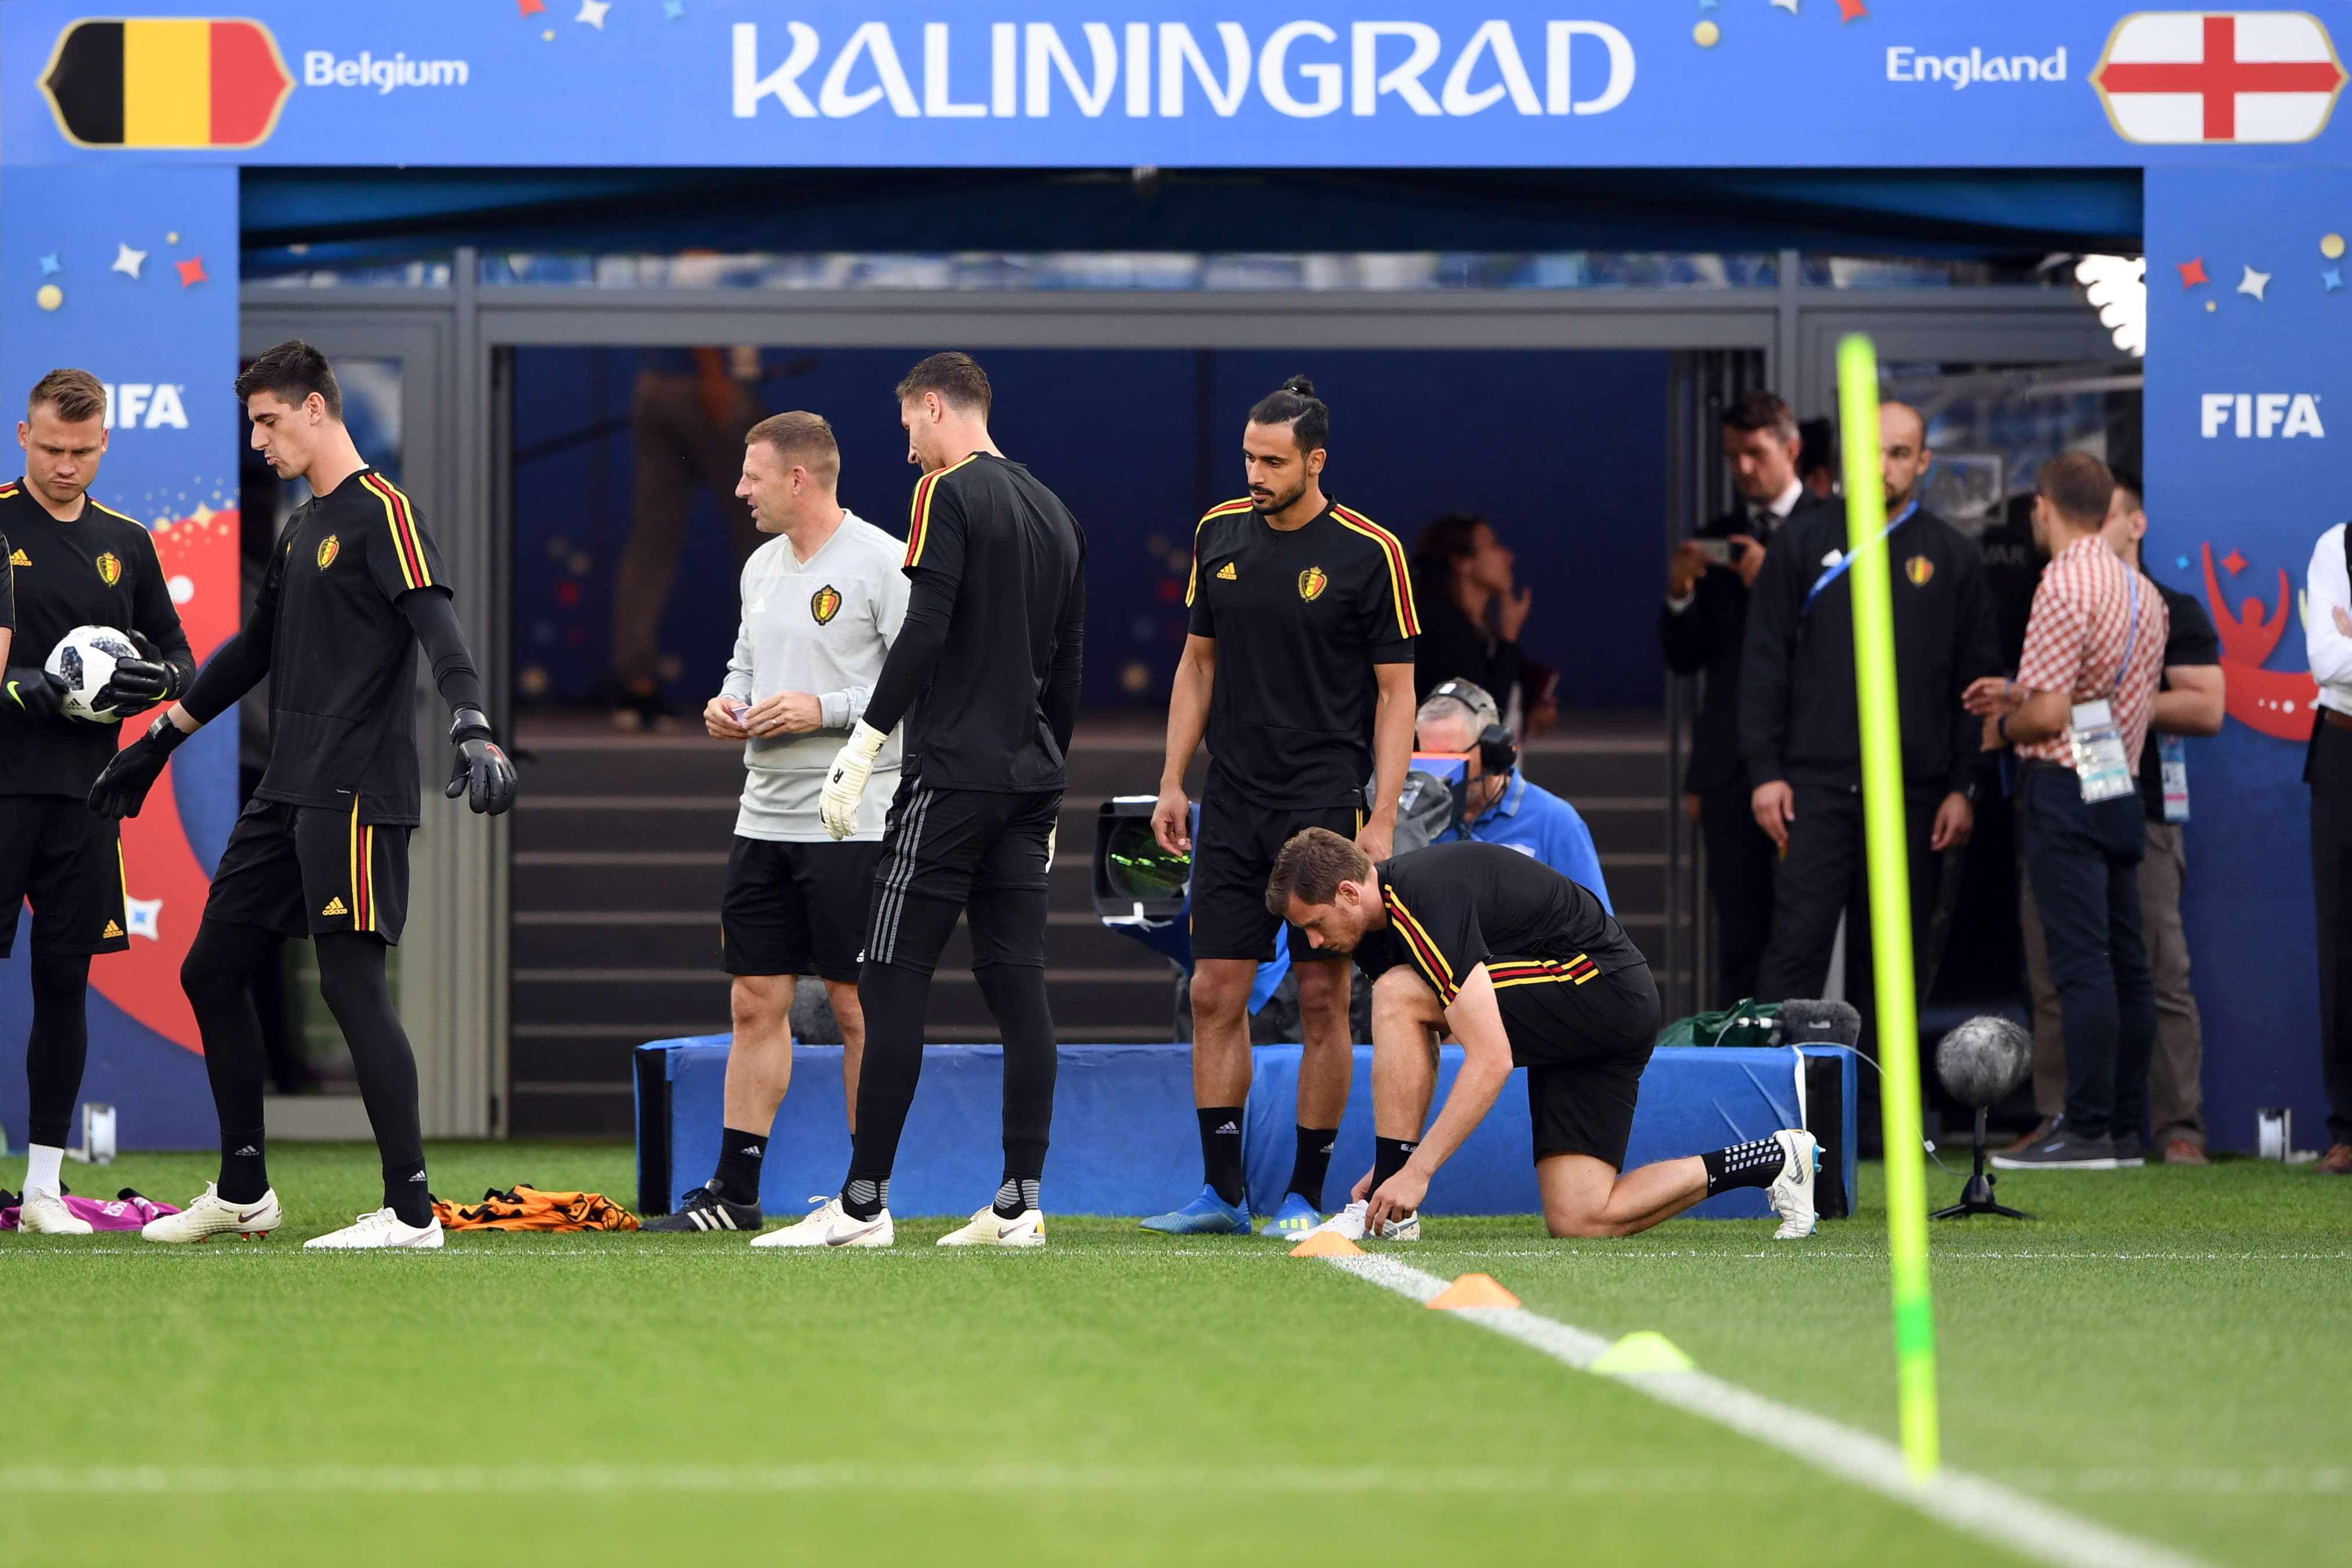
[73, 563]
[354, 587]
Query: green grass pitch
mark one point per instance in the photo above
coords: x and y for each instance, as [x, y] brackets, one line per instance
[2165, 1351]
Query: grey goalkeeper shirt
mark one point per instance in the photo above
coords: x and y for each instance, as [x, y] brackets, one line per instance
[822, 626]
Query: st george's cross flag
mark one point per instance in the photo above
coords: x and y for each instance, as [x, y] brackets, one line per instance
[2219, 76]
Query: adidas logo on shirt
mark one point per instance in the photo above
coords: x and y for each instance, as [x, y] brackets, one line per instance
[335, 906]
[112, 930]
[20, 559]
[1225, 573]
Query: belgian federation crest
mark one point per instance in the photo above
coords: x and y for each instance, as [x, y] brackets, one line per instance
[826, 603]
[110, 569]
[1312, 582]
[329, 548]
[1918, 568]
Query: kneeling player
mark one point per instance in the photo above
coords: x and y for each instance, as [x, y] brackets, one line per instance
[1572, 1002]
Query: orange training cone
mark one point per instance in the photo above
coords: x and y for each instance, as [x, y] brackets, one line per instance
[1474, 1290]
[1327, 1244]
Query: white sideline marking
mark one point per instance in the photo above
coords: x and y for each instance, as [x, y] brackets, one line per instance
[1981, 1507]
[1320, 1479]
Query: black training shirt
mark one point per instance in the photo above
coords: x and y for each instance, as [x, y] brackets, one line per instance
[1453, 907]
[343, 658]
[2192, 640]
[995, 550]
[1300, 618]
[99, 569]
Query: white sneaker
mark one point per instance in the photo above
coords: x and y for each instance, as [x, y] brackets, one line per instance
[1791, 1192]
[1349, 1225]
[990, 1228]
[45, 1214]
[832, 1226]
[378, 1232]
[213, 1215]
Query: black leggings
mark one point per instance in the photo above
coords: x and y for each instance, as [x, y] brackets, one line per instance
[217, 979]
[893, 999]
[60, 1046]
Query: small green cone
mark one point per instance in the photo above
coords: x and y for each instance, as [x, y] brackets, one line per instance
[1647, 1351]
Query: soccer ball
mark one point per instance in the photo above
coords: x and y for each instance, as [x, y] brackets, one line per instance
[84, 659]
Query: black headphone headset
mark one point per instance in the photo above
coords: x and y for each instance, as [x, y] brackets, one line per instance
[1497, 752]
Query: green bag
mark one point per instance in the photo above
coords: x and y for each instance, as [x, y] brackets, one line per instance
[1746, 1022]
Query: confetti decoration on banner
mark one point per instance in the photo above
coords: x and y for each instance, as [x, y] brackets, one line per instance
[2331, 278]
[593, 13]
[48, 297]
[2331, 246]
[127, 260]
[192, 271]
[530, 7]
[2253, 283]
[2192, 272]
[1849, 10]
[674, 9]
[1787, 5]
[2211, 307]
[1705, 35]
[2235, 563]
[1710, 5]
[51, 264]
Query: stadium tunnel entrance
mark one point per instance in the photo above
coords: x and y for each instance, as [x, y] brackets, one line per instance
[1546, 348]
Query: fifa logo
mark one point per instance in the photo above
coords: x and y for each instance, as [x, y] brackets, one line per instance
[1311, 583]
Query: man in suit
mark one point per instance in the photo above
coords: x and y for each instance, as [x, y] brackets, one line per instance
[1703, 627]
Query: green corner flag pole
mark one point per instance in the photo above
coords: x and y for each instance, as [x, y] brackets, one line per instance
[1890, 901]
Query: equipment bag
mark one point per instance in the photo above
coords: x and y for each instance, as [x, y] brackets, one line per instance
[1746, 1023]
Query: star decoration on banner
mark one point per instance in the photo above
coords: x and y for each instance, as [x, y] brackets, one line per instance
[2180, 561]
[2253, 283]
[2192, 272]
[144, 917]
[2235, 563]
[51, 264]
[593, 13]
[127, 260]
[202, 515]
[530, 7]
[674, 9]
[1787, 5]
[1710, 5]
[191, 270]
[1850, 9]
[2331, 278]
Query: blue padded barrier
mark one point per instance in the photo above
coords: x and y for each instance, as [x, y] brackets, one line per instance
[1125, 1141]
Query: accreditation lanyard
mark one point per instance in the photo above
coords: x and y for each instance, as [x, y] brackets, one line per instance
[2095, 736]
[1837, 569]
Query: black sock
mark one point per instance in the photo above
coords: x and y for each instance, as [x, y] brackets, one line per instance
[740, 1154]
[1757, 1163]
[862, 1197]
[1221, 1150]
[1389, 1155]
[1312, 1163]
[893, 999]
[59, 1045]
[1016, 1197]
[405, 1193]
[244, 1171]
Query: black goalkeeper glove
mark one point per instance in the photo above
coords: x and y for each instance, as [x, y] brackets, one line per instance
[35, 692]
[138, 685]
[123, 789]
[481, 772]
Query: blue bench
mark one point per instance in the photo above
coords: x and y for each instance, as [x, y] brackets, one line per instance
[1126, 1143]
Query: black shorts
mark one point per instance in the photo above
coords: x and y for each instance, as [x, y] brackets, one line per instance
[1584, 1045]
[304, 871]
[795, 909]
[1233, 856]
[969, 851]
[66, 859]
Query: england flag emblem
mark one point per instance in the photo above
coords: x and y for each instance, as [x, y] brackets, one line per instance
[2213, 76]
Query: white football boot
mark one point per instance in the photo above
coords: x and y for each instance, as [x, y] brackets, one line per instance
[213, 1215]
[832, 1226]
[380, 1231]
[1791, 1192]
[45, 1214]
[1347, 1225]
[990, 1228]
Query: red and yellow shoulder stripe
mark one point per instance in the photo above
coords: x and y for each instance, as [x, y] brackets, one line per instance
[1400, 576]
[11, 488]
[401, 518]
[120, 516]
[1426, 955]
[1542, 971]
[919, 511]
[1222, 509]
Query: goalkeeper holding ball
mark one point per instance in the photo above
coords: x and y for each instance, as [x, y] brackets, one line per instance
[355, 586]
[74, 564]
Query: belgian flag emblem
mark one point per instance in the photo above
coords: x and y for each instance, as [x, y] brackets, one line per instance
[167, 82]
[328, 547]
[826, 603]
[1311, 583]
[110, 569]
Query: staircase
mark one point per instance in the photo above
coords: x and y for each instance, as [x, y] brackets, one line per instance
[620, 855]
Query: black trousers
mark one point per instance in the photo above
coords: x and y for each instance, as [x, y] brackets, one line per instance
[2085, 862]
[2331, 879]
[1826, 874]
[1739, 860]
